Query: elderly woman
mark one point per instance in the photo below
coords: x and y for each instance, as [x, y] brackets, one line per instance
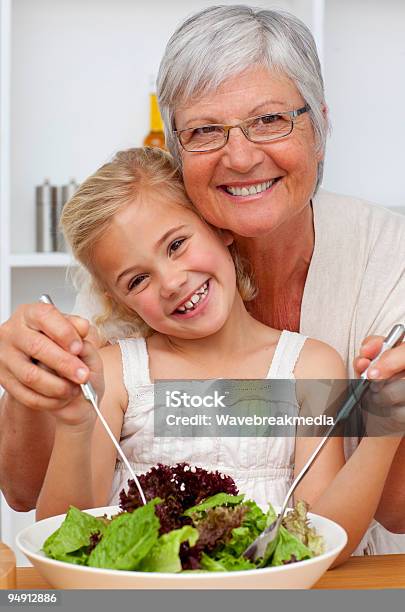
[242, 98]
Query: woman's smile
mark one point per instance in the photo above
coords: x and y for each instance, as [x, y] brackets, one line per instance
[249, 190]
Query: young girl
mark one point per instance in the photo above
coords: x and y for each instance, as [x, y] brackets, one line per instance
[172, 279]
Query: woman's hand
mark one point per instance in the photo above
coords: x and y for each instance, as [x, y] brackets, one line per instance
[40, 333]
[384, 402]
[390, 364]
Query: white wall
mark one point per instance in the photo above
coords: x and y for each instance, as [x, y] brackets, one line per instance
[365, 88]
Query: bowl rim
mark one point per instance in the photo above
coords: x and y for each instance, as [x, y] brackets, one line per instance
[177, 576]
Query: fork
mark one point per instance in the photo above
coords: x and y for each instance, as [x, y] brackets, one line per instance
[266, 542]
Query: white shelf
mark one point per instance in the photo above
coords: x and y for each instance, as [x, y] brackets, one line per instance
[41, 260]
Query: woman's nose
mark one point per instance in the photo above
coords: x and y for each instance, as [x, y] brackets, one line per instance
[172, 282]
[240, 154]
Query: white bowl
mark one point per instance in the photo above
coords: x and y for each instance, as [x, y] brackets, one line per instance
[299, 575]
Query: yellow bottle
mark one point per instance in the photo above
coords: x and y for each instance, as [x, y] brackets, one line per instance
[156, 137]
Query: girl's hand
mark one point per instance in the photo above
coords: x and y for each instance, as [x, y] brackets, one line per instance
[79, 413]
[384, 402]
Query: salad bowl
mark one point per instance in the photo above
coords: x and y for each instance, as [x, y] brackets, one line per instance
[298, 575]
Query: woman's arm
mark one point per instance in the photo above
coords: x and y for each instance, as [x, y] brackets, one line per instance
[26, 426]
[26, 441]
[82, 462]
[348, 493]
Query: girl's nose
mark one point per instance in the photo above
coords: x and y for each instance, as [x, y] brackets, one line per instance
[240, 154]
[172, 282]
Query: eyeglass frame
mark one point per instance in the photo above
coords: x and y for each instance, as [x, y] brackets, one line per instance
[293, 114]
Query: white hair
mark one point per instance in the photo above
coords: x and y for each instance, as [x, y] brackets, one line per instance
[222, 41]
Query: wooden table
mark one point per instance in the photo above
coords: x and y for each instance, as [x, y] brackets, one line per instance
[7, 567]
[377, 572]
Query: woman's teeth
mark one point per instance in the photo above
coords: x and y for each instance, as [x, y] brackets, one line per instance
[252, 190]
[195, 299]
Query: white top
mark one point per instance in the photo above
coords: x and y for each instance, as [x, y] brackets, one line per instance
[261, 467]
[356, 280]
[355, 287]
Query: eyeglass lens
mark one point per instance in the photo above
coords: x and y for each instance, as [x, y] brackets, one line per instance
[260, 129]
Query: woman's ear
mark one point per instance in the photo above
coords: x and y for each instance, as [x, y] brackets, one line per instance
[226, 237]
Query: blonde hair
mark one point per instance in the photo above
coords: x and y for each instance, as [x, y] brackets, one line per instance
[88, 215]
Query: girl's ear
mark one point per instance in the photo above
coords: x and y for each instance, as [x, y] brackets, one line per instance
[226, 237]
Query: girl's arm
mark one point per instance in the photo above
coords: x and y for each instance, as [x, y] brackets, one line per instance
[113, 408]
[348, 493]
[352, 497]
[82, 462]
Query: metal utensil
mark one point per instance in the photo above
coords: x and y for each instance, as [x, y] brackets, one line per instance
[268, 537]
[91, 396]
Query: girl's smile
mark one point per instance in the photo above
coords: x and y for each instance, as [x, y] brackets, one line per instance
[194, 303]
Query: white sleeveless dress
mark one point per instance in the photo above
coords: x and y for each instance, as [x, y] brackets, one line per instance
[261, 467]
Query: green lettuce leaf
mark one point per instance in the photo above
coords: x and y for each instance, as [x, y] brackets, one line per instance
[208, 564]
[288, 549]
[296, 522]
[254, 522]
[225, 563]
[271, 516]
[164, 556]
[292, 539]
[128, 539]
[229, 557]
[220, 499]
[71, 541]
[78, 557]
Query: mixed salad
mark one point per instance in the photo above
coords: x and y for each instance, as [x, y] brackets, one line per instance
[195, 520]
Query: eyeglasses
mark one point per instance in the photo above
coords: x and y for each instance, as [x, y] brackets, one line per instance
[263, 128]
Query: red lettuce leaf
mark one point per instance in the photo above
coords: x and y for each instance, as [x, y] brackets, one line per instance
[180, 487]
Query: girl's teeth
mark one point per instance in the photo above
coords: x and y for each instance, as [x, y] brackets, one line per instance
[199, 295]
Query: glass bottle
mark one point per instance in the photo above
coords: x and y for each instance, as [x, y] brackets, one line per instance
[156, 137]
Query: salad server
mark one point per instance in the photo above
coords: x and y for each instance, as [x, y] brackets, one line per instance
[267, 540]
[91, 396]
